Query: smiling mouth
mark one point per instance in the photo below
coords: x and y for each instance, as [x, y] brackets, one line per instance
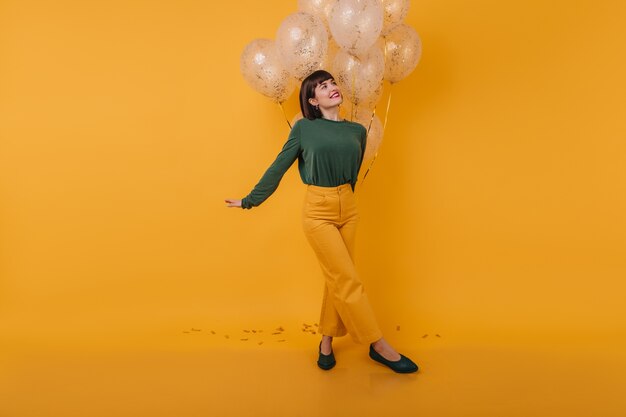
[335, 95]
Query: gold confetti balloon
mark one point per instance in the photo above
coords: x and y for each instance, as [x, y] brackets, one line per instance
[263, 69]
[297, 117]
[394, 12]
[359, 78]
[374, 135]
[371, 101]
[331, 52]
[403, 50]
[302, 41]
[319, 8]
[356, 24]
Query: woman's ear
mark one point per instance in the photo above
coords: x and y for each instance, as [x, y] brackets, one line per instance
[313, 101]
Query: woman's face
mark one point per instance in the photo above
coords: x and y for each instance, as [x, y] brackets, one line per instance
[327, 94]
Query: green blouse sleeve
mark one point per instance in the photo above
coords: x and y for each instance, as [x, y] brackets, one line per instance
[271, 179]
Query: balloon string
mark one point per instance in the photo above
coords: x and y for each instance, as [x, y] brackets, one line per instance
[353, 91]
[374, 112]
[382, 135]
[369, 126]
[284, 114]
[390, 86]
[387, 111]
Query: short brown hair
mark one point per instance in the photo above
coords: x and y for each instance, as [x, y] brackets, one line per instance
[307, 91]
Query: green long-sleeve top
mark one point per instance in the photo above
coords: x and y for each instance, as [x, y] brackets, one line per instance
[329, 154]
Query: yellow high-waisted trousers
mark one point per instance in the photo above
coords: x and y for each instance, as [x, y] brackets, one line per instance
[329, 220]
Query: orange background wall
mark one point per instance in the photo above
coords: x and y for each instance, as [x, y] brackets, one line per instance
[494, 211]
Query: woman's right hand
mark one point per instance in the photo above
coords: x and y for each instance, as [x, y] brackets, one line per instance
[232, 203]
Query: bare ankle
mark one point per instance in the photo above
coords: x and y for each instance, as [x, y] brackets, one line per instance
[326, 345]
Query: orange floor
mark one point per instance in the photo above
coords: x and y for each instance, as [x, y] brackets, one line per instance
[193, 372]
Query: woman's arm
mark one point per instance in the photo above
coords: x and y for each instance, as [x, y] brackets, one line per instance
[363, 146]
[271, 179]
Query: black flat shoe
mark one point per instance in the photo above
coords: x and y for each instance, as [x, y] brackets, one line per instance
[326, 362]
[402, 366]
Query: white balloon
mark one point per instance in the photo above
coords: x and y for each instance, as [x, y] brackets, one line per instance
[356, 24]
[262, 68]
[295, 118]
[359, 78]
[331, 52]
[374, 128]
[302, 41]
[403, 50]
[319, 8]
[394, 11]
[372, 100]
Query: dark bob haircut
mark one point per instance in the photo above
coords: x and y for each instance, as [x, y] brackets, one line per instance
[307, 91]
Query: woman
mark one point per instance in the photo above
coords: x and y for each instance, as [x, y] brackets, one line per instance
[329, 153]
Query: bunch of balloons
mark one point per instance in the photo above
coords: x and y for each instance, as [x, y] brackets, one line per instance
[361, 42]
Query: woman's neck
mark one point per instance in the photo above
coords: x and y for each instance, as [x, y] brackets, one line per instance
[331, 113]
